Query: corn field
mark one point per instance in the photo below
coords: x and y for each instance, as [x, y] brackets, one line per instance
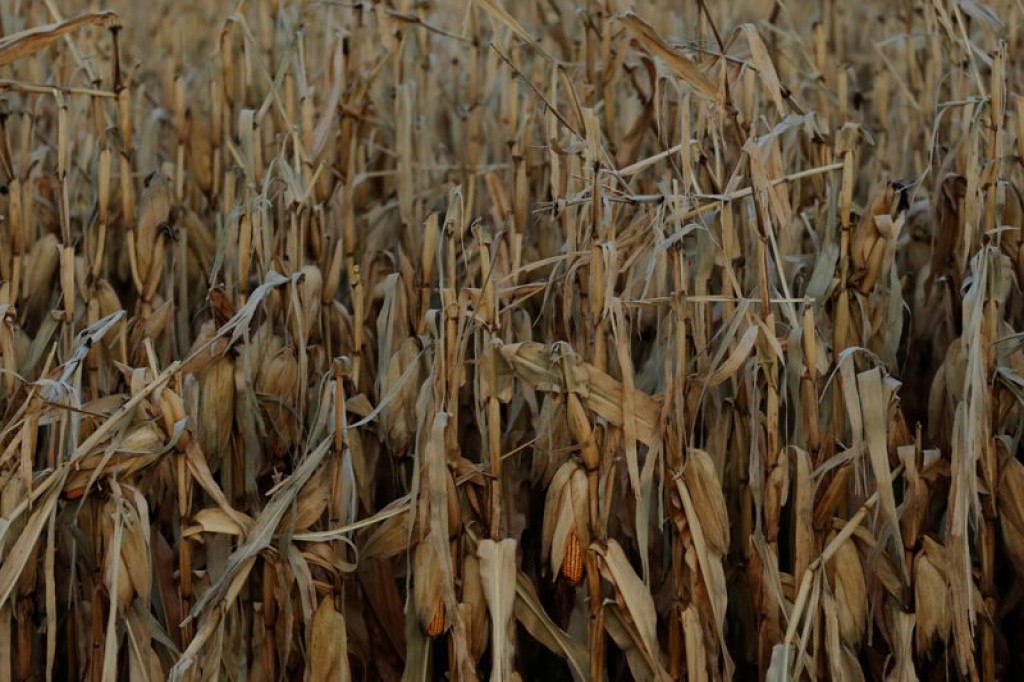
[511, 340]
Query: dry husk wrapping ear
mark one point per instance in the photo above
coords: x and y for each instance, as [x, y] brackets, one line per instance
[339, 321]
[278, 380]
[553, 437]
[262, 345]
[115, 570]
[931, 596]
[40, 268]
[154, 212]
[200, 151]
[216, 410]
[202, 245]
[428, 587]
[152, 327]
[135, 548]
[108, 304]
[851, 593]
[473, 607]
[22, 346]
[125, 528]
[206, 349]
[312, 501]
[708, 500]
[565, 511]
[433, 589]
[874, 239]
[399, 414]
[1011, 511]
[866, 232]
[328, 645]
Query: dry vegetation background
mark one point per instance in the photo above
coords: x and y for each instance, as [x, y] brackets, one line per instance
[469, 339]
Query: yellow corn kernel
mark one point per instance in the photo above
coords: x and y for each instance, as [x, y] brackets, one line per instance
[572, 564]
[436, 626]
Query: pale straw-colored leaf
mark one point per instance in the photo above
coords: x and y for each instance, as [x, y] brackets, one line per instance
[498, 575]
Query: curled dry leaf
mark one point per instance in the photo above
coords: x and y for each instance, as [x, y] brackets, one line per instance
[23, 43]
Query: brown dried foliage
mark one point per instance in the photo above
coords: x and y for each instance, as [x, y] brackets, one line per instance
[514, 340]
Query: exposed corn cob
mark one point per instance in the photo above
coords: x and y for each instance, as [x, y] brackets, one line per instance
[572, 564]
[436, 625]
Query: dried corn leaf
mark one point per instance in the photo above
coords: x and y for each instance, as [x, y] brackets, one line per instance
[21, 44]
[498, 575]
[636, 600]
[533, 363]
[531, 615]
[874, 402]
[681, 65]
